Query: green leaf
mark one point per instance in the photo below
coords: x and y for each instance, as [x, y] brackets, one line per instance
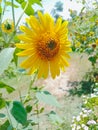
[29, 10]
[89, 50]
[54, 117]
[35, 2]
[19, 1]
[5, 125]
[15, 57]
[10, 127]
[2, 115]
[28, 108]
[6, 56]
[2, 103]
[46, 97]
[19, 113]
[92, 59]
[42, 109]
[7, 87]
[16, 39]
[10, 4]
[0, 9]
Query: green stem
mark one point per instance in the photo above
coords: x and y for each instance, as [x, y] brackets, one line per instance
[18, 23]
[32, 82]
[22, 14]
[16, 127]
[38, 115]
[13, 13]
[13, 34]
[1, 17]
[18, 78]
[8, 114]
[30, 86]
[4, 8]
[20, 95]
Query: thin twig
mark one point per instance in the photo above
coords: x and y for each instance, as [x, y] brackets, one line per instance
[18, 23]
[13, 13]
[8, 114]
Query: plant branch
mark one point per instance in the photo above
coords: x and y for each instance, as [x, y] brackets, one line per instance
[22, 14]
[18, 23]
[13, 13]
[8, 114]
[32, 82]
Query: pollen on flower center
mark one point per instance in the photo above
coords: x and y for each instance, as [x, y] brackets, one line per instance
[48, 50]
[51, 44]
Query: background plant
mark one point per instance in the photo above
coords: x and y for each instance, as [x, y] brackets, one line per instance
[83, 34]
[88, 117]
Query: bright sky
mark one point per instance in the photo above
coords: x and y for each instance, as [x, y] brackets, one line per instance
[67, 4]
[48, 6]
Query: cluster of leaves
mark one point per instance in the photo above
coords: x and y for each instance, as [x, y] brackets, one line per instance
[21, 115]
[29, 9]
[87, 85]
[27, 112]
[83, 32]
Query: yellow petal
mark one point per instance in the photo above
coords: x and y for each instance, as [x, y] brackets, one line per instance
[43, 69]
[26, 30]
[29, 62]
[54, 68]
[26, 52]
[35, 64]
[58, 24]
[23, 46]
[44, 20]
[41, 18]
[25, 38]
[64, 25]
[34, 23]
[63, 60]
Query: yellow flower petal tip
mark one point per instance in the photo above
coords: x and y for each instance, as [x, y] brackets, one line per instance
[46, 45]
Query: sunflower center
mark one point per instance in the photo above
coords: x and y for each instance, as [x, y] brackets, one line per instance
[48, 50]
[51, 44]
[8, 26]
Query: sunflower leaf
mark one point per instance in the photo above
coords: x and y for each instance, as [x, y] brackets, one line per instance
[2, 103]
[0, 9]
[8, 88]
[19, 113]
[35, 2]
[2, 115]
[5, 125]
[47, 98]
[6, 56]
[29, 10]
[10, 4]
[19, 1]
[54, 117]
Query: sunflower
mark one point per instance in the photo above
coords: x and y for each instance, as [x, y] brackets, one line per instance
[7, 26]
[46, 44]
